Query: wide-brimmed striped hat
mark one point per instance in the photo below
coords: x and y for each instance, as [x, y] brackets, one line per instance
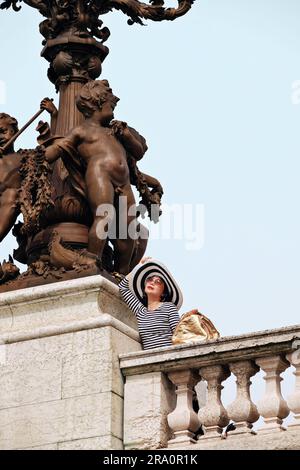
[154, 267]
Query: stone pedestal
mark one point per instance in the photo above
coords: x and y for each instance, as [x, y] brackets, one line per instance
[61, 386]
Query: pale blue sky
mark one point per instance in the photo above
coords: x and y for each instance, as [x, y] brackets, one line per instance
[211, 92]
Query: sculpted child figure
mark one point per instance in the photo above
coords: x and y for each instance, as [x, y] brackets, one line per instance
[98, 150]
[9, 176]
[10, 161]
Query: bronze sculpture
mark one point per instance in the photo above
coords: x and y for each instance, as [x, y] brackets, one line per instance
[10, 178]
[94, 153]
[84, 159]
[11, 167]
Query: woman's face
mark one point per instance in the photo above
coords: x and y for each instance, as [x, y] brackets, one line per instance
[154, 286]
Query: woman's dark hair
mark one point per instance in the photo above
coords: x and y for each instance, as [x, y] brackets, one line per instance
[165, 297]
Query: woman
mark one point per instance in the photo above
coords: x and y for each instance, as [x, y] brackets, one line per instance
[154, 297]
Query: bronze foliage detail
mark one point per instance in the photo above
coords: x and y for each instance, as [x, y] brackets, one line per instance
[35, 192]
[81, 17]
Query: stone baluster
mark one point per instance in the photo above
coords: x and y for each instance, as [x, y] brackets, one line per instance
[294, 399]
[272, 406]
[213, 415]
[243, 411]
[183, 421]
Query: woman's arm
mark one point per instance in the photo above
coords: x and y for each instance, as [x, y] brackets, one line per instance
[132, 301]
[173, 317]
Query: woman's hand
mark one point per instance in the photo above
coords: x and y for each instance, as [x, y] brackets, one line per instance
[145, 259]
[194, 310]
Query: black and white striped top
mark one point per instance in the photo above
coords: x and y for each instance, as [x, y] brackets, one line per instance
[156, 327]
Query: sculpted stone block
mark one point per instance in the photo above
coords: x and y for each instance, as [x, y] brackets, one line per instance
[61, 420]
[97, 371]
[148, 399]
[91, 373]
[61, 380]
[30, 382]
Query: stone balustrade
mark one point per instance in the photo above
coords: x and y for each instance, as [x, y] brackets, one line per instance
[159, 397]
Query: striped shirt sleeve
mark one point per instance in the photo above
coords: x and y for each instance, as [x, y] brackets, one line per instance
[173, 317]
[128, 296]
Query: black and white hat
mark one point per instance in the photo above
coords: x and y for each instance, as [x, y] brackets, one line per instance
[154, 268]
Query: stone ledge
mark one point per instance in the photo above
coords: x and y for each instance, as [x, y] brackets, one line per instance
[46, 331]
[33, 312]
[221, 351]
[69, 288]
[285, 440]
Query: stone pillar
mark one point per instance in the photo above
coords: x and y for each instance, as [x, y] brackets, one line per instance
[183, 421]
[148, 399]
[243, 411]
[272, 406]
[294, 399]
[213, 416]
[61, 385]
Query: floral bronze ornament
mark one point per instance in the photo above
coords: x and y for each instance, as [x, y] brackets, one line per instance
[81, 17]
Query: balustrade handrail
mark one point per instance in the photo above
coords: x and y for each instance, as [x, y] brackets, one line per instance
[221, 351]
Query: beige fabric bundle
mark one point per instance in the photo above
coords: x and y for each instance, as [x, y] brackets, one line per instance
[192, 327]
